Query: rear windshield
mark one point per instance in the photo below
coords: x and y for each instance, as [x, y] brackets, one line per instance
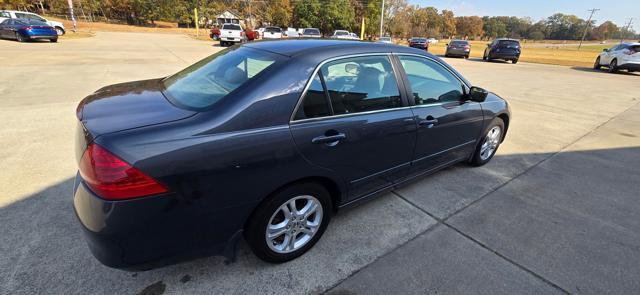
[341, 33]
[509, 43]
[311, 32]
[231, 27]
[385, 39]
[273, 30]
[209, 80]
[459, 43]
[419, 40]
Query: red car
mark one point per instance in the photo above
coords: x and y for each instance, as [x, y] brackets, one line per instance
[215, 33]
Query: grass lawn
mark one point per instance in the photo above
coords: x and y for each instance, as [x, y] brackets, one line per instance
[545, 53]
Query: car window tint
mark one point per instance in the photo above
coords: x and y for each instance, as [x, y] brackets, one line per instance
[430, 82]
[314, 104]
[361, 84]
[231, 27]
[207, 81]
[21, 15]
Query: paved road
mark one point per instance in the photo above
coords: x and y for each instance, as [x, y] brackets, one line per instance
[556, 211]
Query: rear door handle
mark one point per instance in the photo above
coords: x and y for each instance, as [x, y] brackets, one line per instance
[429, 121]
[329, 138]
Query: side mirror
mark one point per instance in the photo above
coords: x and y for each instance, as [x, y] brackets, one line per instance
[477, 94]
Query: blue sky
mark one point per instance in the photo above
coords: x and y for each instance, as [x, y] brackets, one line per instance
[616, 11]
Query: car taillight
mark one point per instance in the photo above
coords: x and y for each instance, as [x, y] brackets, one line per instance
[113, 179]
[241, 34]
[467, 47]
[28, 28]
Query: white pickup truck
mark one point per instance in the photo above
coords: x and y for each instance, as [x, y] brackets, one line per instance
[230, 34]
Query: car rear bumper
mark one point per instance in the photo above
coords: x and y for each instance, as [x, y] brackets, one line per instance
[153, 231]
[634, 66]
[507, 56]
[458, 52]
[420, 46]
[230, 39]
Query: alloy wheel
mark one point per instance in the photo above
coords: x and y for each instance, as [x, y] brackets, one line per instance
[294, 224]
[491, 142]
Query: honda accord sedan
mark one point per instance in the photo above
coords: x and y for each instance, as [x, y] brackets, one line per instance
[266, 141]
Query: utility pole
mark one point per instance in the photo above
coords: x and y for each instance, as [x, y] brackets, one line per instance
[381, 18]
[73, 16]
[626, 30]
[586, 28]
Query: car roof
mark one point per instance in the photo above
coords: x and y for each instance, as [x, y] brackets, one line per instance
[18, 11]
[335, 46]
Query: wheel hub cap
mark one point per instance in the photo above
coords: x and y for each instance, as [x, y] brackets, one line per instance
[490, 143]
[294, 224]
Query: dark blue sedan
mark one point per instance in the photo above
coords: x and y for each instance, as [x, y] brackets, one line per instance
[26, 29]
[266, 141]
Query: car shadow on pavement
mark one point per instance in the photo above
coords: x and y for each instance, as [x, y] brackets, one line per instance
[592, 70]
[43, 250]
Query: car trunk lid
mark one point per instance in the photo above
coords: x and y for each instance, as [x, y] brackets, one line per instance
[127, 106]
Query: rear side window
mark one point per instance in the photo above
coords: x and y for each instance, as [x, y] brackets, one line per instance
[311, 32]
[209, 80]
[231, 27]
[361, 84]
[634, 48]
[314, 104]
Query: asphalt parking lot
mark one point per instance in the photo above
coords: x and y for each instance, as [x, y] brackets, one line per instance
[556, 211]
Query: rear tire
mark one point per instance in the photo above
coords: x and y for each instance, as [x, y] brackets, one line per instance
[270, 217]
[54, 40]
[514, 61]
[596, 64]
[20, 38]
[613, 66]
[466, 57]
[489, 143]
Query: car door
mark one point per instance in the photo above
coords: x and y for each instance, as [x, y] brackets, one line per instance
[354, 122]
[448, 123]
[6, 29]
[607, 56]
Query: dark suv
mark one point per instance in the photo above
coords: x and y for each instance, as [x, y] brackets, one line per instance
[503, 48]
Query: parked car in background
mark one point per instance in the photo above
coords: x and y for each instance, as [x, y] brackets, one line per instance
[341, 34]
[58, 26]
[272, 33]
[503, 48]
[385, 40]
[252, 35]
[231, 34]
[354, 36]
[241, 144]
[311, 33]
[419, 42]
[625, 56]
[260, 31]
[24, 30]
[432, 40]
[291, 33]
[458, 48]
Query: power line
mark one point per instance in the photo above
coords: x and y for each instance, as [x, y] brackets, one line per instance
[586, 28]
[626, 30]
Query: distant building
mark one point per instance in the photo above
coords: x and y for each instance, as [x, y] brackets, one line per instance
[227, 17]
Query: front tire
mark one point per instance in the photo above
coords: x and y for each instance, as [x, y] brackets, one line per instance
[54, 40]
[289, 223]
[514, 61]
[613, 66]
[489, 144]
[596, 65]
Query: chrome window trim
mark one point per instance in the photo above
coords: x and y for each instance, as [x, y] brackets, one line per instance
[315, 72]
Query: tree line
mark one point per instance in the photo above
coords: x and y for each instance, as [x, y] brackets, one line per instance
[401, 20]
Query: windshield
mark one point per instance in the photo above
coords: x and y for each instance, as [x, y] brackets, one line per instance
[209, 80]
[311, 32]
[231, 27]
[273, 30]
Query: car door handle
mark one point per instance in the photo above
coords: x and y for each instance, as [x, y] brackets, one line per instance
[329, 138]
[429, 121]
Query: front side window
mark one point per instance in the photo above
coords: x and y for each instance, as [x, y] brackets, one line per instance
[430, 82]
[361, 84]
[209, 80]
